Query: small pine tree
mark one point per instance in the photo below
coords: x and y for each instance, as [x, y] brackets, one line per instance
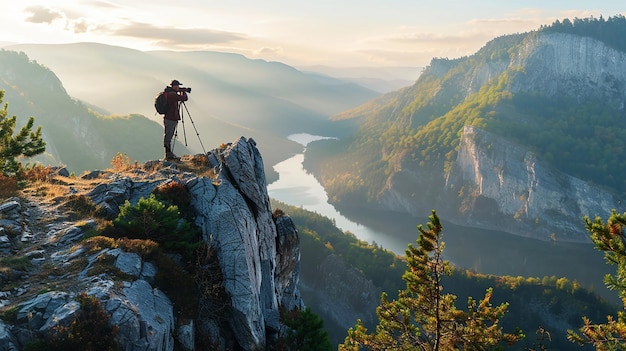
[151, 219]
[306, 332]
[607, 237]
[24, 143]
[423, 317]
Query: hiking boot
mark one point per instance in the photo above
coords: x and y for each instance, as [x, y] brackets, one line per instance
[170, 156]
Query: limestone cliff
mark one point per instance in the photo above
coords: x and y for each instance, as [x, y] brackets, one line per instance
[490, 182]
[258, 255]
[503, 185]
[571, 65]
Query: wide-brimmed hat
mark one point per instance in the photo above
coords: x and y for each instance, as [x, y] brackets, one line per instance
[175, 82]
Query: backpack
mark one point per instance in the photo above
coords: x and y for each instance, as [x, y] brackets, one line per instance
[160, 103]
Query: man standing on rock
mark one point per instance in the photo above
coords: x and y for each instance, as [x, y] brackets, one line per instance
[174, 94]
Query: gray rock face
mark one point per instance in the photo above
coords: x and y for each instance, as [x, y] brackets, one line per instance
[236, 220]
[503, 180]
[571, 65]
[259, 260]
[494, 184]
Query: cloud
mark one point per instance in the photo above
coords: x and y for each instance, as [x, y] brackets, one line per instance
[102, 4]
[79, 26]
[268, 51]
[177, 37]
[42, 14]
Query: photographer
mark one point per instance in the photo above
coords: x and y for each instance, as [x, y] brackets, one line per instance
[174, 95]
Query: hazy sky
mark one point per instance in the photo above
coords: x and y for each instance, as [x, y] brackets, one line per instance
[299, 33]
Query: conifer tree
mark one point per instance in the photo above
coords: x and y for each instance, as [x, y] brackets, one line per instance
[423, 317]
[306, 331]
[607, 237]
[24, 143]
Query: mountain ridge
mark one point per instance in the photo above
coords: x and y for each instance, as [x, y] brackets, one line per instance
[231, 95]
[409, 144]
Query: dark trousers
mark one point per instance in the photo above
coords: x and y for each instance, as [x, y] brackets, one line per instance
[170, 129]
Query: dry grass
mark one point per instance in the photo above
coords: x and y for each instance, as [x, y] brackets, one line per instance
[121, 163]
[198, 164]
[8, 187]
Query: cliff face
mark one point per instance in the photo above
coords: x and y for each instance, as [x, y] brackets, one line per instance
[553, 64]
[496, 184]
[260, 265]
[571, 65]
[503, 185]
[258, 255]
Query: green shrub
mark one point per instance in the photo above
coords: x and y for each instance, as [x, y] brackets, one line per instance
[175, 194]
[90, 331]
[153, 220]
[306, 332]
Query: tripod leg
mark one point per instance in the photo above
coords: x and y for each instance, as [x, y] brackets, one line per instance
[182, 119]
[194, 127]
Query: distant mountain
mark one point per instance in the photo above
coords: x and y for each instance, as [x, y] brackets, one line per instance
[522, 136]
[380, 79]
[231, 94]
[76, 136]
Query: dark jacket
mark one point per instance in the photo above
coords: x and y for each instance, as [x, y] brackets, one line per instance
[173, 98]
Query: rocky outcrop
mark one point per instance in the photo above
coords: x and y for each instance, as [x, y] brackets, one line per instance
[493, 183]
[144, 315]
[555, 64]
[258, 255]
[504, 181]
[570, 65]
[236, 220]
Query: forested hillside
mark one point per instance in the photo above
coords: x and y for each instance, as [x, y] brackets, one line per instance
[423, 123]
[609, 31]
[77, 136]
[553, 304]
[557, 92]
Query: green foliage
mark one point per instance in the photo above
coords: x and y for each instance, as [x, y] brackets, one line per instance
[608, 237]
[581, 139]
[554, 298]
[24, 143]
[420, 126]
[423, 317]
[151, 219]
[36, 91]
[418, 129]
[320, 237]
[175, 194]
[306, 331]
[611, 30]
[90, 331]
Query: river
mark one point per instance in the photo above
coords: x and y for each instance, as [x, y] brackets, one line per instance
[484, 251]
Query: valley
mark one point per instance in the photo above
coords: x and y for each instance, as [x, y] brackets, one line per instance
[475, 249]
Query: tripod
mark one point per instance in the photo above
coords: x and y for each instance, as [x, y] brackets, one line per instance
[182, 119]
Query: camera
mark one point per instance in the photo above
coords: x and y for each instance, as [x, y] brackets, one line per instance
[187, 89]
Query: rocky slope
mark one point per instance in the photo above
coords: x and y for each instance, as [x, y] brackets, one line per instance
[258, 257]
